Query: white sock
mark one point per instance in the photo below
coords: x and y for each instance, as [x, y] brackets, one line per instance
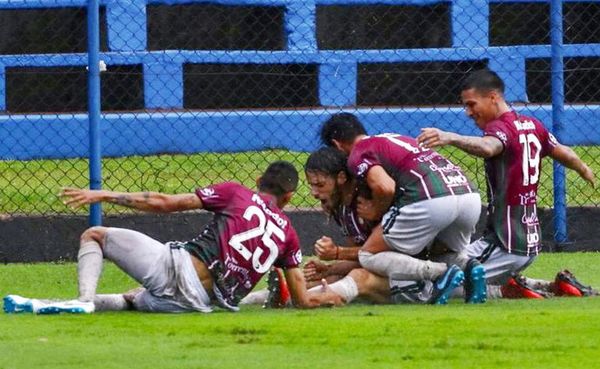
[112, 302]
[493, 292]
[89, 267]
[346, 288]
[255, 298]
[397, 266]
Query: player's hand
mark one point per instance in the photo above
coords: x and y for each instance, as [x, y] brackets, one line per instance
[332, 299]
[325, 249]
[77, 197]
[433, 137]
[588, 175]
[315, 270]
[365, 208]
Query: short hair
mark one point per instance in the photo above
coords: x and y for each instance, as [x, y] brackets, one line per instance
[483, 80]
[328, 161]
[279, 178]
[343, 127]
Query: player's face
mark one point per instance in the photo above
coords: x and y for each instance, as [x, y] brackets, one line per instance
[323, 187]
[481, 107]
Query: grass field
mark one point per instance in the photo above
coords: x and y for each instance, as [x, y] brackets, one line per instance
[558, 333]
[30, 187]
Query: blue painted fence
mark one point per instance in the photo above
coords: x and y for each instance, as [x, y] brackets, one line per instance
[65, 135]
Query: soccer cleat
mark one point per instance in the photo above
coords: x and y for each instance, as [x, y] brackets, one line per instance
[411, 292]
[17, 304]
[565, 284]
[475, 284]
[279, 294]
[443, 286]
[71, 306]
[517, 288]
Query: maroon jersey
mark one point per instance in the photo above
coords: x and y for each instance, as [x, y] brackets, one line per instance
[420, 173]
[351, 224]
[248, 234]
[513, 178]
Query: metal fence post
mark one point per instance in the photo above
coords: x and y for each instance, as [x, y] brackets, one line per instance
[558, 101]
[93, 31]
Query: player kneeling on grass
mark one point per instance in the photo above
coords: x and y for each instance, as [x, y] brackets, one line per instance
[512, 147]
[248, 234]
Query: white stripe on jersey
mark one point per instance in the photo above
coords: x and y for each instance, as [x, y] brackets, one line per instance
[422, 183]
[509, 229]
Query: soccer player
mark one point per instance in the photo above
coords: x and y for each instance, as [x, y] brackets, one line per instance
[512, 146]
[248, 234]
[419, 196]
[331, 183]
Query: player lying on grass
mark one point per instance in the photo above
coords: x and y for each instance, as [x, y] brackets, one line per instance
[419, 196]
[333, 186]
[248, 234]
[512, 146]
[331, 183]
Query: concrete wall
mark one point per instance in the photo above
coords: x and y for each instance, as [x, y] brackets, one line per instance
[38, 239]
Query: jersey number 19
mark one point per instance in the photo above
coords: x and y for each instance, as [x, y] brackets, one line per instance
[531, 158]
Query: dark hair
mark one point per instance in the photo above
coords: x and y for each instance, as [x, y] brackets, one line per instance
[483, 80]
[343, 127]
[279, 178]
[327, 160]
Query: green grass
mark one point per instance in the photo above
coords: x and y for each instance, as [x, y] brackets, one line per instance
[558, 333]
[30, 187]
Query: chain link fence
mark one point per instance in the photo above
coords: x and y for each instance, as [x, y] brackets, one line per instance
[200, 92]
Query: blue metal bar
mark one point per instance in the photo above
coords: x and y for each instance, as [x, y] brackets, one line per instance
[42, 136]
[2, 88]
[24, 4]
[558, 101]
[288, 57]
[93, 29]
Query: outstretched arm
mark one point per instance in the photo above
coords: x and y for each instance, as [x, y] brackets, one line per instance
[567, 157]
[146, 201]
[484, 147]
[304, 299]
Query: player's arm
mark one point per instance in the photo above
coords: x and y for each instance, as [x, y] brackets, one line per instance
[567, 157]
[146, 201]
[304, 299]
[484, 147]
[383, 189]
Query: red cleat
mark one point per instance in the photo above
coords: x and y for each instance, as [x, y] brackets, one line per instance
[279, 293]
[565, 284]
[517, 288]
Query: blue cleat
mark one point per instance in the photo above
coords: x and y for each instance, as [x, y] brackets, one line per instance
[475, 284]
[444, 285]
[71, 307]
[17, 304]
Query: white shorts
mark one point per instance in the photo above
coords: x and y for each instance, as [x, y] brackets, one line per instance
[167, 273]
[452, 219]
[498, 264]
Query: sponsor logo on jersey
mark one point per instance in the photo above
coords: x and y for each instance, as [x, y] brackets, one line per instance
[362, 168]
[524, 125]
[552, 139]
[207, 192]
[502, 136]
[298, 256]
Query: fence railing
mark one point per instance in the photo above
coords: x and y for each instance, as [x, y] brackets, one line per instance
[165, 121]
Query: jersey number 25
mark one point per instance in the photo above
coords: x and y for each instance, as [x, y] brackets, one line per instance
[266, 229]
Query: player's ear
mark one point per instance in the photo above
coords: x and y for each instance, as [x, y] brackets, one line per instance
[258, 181]
[285, 199]
[338, 144]
[341, 178]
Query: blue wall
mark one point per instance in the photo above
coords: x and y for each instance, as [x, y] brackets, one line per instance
[65, 135]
